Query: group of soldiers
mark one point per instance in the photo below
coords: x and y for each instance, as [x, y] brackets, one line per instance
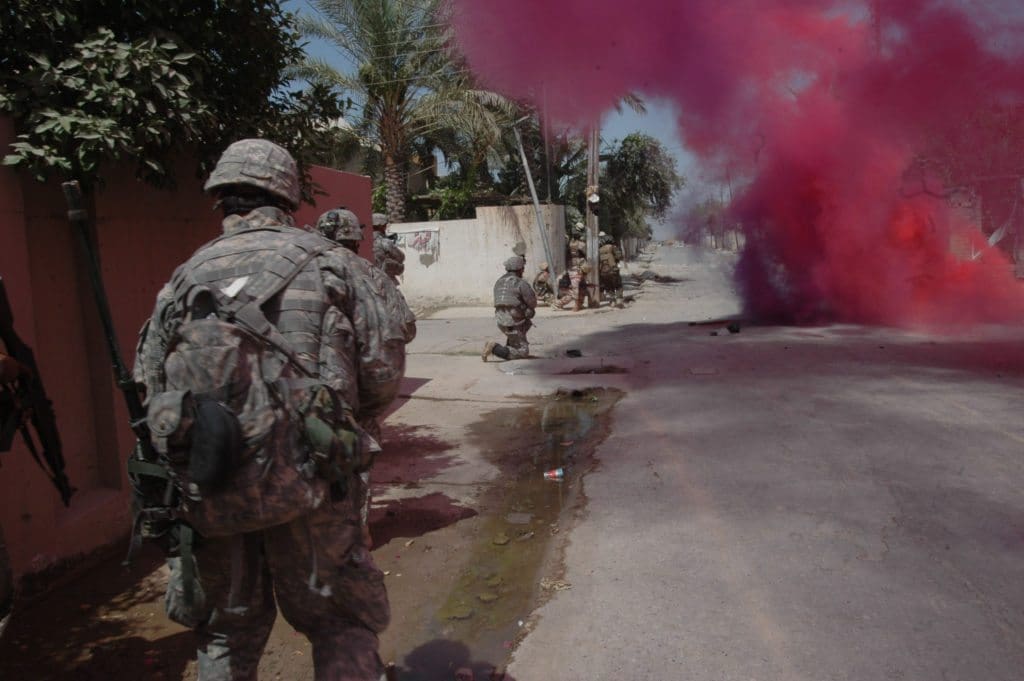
[515, 301]
[339, 325]
[573, 290]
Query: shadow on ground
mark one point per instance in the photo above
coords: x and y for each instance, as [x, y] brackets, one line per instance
[441, 660]
[89, 628]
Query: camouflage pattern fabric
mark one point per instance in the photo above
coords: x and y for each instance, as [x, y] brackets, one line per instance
[542, 288]
[609, 278]
[514, 305]
[327, 587]
[257, 163]
[387, 256]
[359, 352]
[340, 224]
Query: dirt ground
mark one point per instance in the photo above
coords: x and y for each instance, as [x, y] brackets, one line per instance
[463, 579]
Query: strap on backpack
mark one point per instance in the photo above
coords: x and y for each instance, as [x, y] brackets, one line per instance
[271, 276]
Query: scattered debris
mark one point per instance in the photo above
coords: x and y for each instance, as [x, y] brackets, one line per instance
[487, 597]
[733, 327]
[525, 536]
[501, 539]
[573, 353]
[554, 584]
[713, 333]
[519, 518]
[556, 474]
[409, 543]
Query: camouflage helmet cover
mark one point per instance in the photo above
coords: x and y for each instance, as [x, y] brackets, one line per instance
[340, 224]
[515, 264]
[379, 219]
[257, 163]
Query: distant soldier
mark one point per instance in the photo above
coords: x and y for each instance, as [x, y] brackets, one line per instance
[609, 255]
[573, 289]
[577, 246]
[386, 253]
[542, 286]
[514, 307]
[341, 226]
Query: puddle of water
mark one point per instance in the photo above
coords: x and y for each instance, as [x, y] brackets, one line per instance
[499, 585]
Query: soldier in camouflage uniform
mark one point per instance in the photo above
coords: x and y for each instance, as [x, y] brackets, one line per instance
[386, 253]
[346, 327]
[542, 285]
[341, 226]
[514, 307]
[609, 255]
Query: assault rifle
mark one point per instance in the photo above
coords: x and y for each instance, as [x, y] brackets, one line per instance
[153, 490]
[23, 403]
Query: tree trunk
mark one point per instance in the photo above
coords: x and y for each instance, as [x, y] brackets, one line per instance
[396, 180]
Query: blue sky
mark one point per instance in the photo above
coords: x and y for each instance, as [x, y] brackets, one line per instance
[659, 121]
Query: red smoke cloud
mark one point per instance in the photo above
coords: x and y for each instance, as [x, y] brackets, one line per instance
[824, 110]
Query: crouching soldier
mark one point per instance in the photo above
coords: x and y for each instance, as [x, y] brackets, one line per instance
[514, 307]
[542, 286]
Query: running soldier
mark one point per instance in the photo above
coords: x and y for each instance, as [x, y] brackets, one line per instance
[328, 323]
[514, 307]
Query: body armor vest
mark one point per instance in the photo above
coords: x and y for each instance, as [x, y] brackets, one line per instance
[230, 262]
[506, 291]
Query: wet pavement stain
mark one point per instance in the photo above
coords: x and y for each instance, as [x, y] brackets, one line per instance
[470, 574]
[513, 563]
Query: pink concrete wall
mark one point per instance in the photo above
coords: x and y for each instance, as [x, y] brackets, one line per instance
[143, 234]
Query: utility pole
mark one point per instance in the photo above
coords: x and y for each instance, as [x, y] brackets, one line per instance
[592, 206]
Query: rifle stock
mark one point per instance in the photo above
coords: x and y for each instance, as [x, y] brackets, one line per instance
[79, 219]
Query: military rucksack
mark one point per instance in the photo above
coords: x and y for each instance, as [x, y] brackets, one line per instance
[249, 437]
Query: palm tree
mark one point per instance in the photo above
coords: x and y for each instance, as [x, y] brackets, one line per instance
[405, 81]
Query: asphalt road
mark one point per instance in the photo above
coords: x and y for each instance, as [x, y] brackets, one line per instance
[786, 503]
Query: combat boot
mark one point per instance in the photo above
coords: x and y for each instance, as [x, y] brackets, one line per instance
[488, 349]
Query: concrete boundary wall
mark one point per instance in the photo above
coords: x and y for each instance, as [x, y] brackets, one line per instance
[143, 234]
[459, 260]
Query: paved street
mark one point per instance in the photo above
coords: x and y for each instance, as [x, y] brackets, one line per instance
[784, 503]
[812, 503]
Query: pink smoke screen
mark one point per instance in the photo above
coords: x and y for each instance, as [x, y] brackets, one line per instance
[797, 97]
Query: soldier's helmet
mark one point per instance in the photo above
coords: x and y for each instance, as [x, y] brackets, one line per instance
[544, 267]
[515, 264]
[380, 220]
[585, 268]
[340, 224]
[258, 163]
